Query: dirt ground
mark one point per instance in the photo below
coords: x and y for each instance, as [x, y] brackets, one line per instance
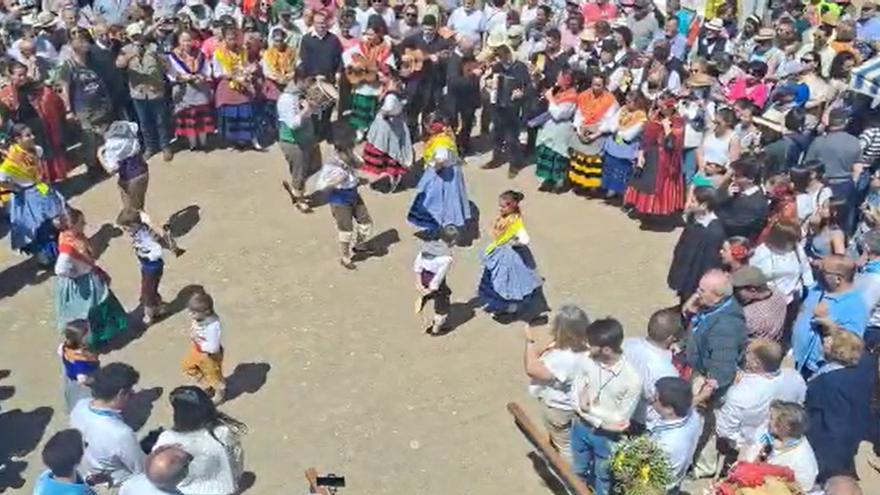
[330, 368]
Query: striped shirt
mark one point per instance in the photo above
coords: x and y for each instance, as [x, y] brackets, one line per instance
[870, 140]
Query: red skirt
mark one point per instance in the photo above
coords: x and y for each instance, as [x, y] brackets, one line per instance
[192, 121]
[666, 199]
[378, 163]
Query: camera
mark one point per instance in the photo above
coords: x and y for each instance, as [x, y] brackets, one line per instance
[331, 480]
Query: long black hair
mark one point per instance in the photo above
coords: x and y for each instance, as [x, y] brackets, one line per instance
[194, 410]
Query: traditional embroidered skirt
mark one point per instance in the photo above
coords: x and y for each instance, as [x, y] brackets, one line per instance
[378, 163]
[363, 110]
[550, 165]
[654, 191]
[441, 199]
[30, 215]
[586, 169]
[192, 121]
[510, 278]
[238, 123]
[616, 173]
[87, 297]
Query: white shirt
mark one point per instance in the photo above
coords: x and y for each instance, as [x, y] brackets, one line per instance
[217, 462]
[613, 391]
[206, 334]
[140, 485]
[652, 363]
[289, 110]
[808, 203]
[111, 445]
[335, 175]
[745, 409]
[788, 272]
[790, 386]
[145, 244]
[801, 459]
[564, 365]
[438, 265]
[678, 439]
[466, 24]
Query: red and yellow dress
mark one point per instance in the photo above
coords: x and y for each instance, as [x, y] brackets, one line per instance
[592, 117]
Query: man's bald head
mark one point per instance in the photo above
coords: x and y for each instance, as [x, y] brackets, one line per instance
[714, 287]
[465, 43]
[842, 485]
[840, 265]
[167, 466]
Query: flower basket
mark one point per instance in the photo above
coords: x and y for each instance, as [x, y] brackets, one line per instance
[640, 467]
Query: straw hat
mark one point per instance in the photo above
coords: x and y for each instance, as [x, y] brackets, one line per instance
[44, 19]
[699, 81]
[765, 34]
[831, 18]
[772, 119]
[715, 24]
[496, 39]
[588, 34]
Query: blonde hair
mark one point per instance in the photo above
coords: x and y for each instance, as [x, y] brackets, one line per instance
[843, 347]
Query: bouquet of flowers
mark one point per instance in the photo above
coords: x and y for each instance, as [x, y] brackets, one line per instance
[640, 467]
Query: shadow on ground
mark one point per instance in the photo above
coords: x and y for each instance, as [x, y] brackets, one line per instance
[247, 378]
[140, 406]
[21, 433]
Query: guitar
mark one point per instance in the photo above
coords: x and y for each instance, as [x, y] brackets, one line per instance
[412, 61]
[362, 70]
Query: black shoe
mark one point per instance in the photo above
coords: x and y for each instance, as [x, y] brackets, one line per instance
[546, 186]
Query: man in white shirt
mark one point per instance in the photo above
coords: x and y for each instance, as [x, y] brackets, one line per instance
[467, 20]
[605, 394]
[165, 468]
[747, 404]
[652, 358]
[111, 445]
[678, 426]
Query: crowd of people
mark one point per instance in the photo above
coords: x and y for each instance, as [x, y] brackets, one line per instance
[743, 121]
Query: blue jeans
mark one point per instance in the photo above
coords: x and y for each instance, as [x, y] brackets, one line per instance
[591, 455]
[154, 119]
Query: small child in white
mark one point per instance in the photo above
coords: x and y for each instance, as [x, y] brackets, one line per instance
[147, 246]
[204, 360]
[431, 267]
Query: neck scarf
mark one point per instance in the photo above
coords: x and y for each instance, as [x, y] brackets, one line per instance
[593, 107]
[192, 64]
[439, 141]
[230, 61]
[505, 229]
[280, 62]
[76, 245]
[23, 165]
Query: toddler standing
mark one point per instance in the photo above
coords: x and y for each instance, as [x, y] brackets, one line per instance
[204, 361]
[78, 362]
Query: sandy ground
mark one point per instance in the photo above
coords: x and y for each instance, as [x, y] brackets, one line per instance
[330, 368]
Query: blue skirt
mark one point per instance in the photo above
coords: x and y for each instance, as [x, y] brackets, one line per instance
[441, 199]
[238, 123]
[510, 278]
[616, 173]
[30, 215]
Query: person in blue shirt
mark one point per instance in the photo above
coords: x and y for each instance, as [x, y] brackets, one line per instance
[834, 298]
[868, 25]
[61, 455]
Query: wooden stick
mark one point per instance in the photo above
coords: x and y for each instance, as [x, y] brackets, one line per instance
[540, 440]
[312, 477]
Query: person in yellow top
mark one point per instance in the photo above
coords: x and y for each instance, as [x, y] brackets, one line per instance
[34, 204]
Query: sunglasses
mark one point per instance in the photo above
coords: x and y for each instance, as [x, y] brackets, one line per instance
[411, 14]
[807, 60]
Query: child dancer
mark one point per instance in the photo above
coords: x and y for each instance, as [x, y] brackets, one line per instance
[79, 363]
[431, 267]
[510, 277]
[388, 151]
[34, 204]
[338, 177]
[148, 249]
[441, 198]
[204, 361]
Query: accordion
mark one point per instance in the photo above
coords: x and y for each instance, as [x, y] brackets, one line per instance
[505, 86]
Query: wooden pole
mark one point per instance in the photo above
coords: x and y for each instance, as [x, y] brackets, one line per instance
[312, 478]
[540, 440]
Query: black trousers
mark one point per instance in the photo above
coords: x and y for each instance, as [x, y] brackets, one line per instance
[506, 124]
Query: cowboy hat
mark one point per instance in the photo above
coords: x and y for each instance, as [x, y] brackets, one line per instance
[699, 81]
[765, 34]
[716, 24]
[772, 119]
[588, 34]
[44, 19]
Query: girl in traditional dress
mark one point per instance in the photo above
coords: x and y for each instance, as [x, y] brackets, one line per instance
[441, 198]
[37, 105]
[78, 362]
[190, 76]
[510, 277]
[363, 64]
[596, 107]
[82, 289]
[621, 149]
[555, 136]
[277, 65]
[236, 94]
[389, 151]
[657, 188]
[34, 204]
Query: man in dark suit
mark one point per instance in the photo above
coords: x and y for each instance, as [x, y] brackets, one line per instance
[513, 89]
[463, 91]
